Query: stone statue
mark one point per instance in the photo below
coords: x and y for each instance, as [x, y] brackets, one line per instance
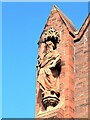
[48, 68]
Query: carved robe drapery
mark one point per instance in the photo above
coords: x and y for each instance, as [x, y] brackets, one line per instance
[48, 76]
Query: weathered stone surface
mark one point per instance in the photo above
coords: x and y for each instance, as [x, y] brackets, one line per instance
[63, 69]
[48, 71]
[81, 73]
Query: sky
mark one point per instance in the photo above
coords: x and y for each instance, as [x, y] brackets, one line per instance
[0, 60]
[22, 25]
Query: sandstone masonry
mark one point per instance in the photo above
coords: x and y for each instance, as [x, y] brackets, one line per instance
[63, 69]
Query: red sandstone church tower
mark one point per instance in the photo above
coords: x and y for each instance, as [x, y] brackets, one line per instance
[62, 69]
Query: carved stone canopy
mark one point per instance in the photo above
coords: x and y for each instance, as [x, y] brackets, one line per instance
[51, 33]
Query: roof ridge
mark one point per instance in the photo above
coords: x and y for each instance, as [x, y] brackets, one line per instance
[68, 23]
[63, 14]
[88, 17]
[83, 28]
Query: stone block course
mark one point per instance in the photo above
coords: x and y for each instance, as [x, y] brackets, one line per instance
[75, 59]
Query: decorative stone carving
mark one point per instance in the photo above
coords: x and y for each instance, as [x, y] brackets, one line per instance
[48, 70]
[51, 33]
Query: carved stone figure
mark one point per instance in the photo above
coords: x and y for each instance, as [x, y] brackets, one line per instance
[48, 70]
